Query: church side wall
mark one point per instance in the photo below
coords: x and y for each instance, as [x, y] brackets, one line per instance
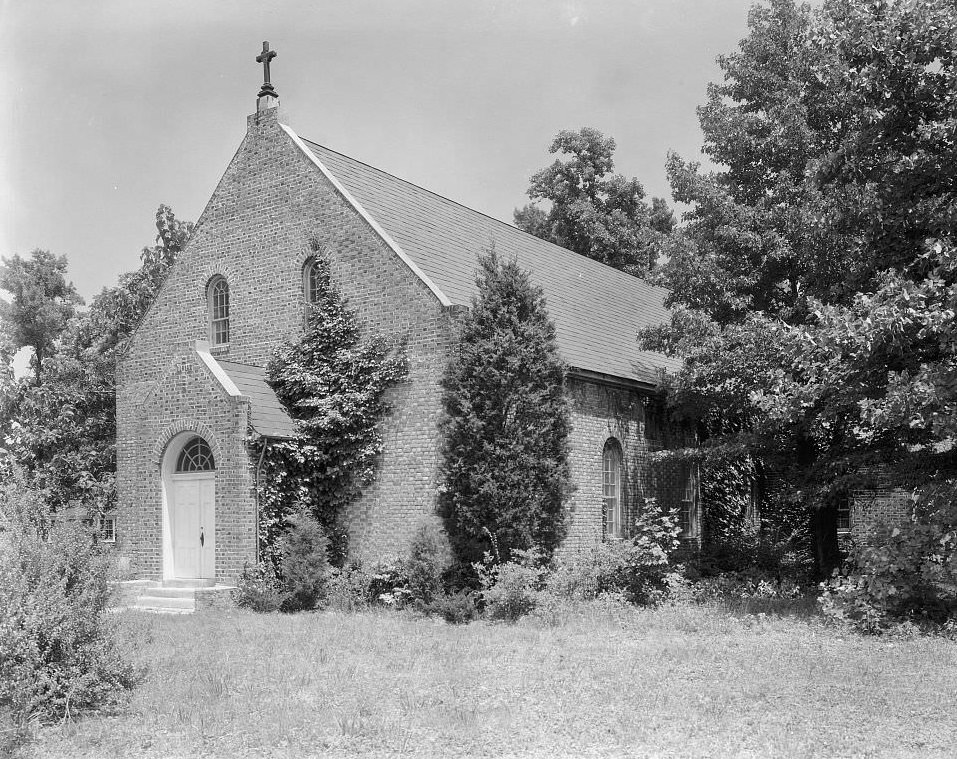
[598, 413]
[256, 232]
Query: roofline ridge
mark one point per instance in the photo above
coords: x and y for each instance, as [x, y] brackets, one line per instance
[482, 213]
[297, 140]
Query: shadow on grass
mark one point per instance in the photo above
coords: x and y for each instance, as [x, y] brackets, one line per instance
[803, 607]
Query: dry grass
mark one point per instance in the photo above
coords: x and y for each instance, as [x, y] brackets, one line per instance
[678, 681]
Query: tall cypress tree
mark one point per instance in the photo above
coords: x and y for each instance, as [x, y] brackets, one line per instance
[506, 428]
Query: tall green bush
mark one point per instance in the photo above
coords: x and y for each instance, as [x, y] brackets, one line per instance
[58, 654]
[305, 563]
[505, 450]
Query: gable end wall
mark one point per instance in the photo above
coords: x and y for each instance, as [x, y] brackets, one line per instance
[256, 231]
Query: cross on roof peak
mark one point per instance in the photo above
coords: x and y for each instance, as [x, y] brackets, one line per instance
[267, 90]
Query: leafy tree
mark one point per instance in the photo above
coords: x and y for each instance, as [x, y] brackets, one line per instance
[592, 211]
[505, 449]
[65, 429]
[333, 383]
[834, 129]
[42, 303]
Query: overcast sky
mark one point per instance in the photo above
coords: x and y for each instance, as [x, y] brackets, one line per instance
[111, 107]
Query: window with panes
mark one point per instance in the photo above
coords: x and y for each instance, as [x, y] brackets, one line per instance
[219, 311]
[612, 501]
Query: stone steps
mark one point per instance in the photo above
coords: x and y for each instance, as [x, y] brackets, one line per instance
[174, 596]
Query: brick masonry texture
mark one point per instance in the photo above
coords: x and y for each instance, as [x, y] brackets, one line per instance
[271, 204]
[600, 413]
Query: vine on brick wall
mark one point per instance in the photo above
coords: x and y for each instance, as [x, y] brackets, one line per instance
[332, 382]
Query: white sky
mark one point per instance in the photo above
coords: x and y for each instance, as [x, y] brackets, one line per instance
[111, 107]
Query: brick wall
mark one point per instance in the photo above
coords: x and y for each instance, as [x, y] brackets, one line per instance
[885, 506]
[600, 412]
[182, 398]
[255, 231]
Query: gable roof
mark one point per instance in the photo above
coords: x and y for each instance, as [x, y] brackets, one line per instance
[597, 310]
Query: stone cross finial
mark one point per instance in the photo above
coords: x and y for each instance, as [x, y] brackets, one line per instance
[267, 90]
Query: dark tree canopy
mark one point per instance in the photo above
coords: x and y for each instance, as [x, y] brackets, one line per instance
[593, 211]
[505, 448]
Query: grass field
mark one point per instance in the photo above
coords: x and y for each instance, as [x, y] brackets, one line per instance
[677, 681]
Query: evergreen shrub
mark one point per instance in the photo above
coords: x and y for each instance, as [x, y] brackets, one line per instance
[505, 444]
[305, 563]
[421, 572]
[58, 651]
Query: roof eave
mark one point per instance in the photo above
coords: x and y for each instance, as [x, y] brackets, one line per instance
[631, 383]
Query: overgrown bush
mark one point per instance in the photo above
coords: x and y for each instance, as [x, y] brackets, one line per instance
[259, 589]
[456, 608]
[636, 569]
[349, 588]
[647, 564]
[305, 563]
[510, 589]
[58, 654]
[590, 572]
[901, 573]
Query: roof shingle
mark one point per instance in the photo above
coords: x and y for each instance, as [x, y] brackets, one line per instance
[597, 310]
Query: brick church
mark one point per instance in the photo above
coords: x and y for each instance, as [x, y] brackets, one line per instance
[192, 396]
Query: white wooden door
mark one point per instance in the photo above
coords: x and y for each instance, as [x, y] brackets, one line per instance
[193, 517]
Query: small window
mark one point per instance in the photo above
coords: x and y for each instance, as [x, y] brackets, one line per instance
[688, 510]
[196, 456]
[311, 276]
[219, 311]
[108, 530]
[611, 491]
[844, 515]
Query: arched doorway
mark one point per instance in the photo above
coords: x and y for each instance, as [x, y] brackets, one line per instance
[189, 501]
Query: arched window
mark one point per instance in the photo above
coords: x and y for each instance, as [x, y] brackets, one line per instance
[218, 294]
[612, 500]
[196, 456]
[310, 281]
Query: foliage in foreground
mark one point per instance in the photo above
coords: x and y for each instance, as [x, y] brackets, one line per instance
[902, 573]
[505, 434]
[58, 655]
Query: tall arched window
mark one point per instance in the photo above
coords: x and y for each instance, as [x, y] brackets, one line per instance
[196, 456]
[310, 281]
[218, 295]
[612, 500]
